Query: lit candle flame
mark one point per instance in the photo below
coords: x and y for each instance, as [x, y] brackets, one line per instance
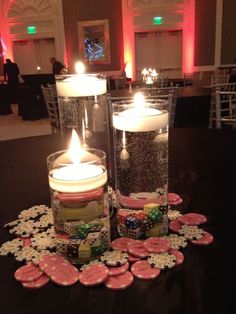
[75, 150]
[79, 68]
[139, 101]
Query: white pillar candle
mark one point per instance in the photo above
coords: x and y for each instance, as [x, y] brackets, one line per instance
[81, 85]
[140, 117]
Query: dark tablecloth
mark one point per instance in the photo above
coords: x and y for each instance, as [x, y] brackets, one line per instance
[202, 170]
[5, 106]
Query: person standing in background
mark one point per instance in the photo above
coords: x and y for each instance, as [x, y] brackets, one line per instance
[11, 75]
[57, 66]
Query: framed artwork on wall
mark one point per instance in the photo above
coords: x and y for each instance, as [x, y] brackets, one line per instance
[94, 41]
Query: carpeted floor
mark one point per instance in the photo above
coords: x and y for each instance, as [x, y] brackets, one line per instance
[12, 126]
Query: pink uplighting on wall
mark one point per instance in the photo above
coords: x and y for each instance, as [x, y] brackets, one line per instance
[188, 36]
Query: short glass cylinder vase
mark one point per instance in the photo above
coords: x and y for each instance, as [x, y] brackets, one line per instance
[80, 211]
[140, 131]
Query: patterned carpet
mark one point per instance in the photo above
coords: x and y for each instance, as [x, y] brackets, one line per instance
[12, 126]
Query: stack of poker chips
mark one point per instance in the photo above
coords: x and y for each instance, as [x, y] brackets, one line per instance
[150, 222]
[81, 224]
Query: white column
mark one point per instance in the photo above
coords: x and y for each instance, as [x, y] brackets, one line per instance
[188, 36]
[128, 34]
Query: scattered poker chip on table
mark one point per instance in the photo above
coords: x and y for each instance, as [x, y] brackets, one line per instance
[114, 258]
[11, 247]
[137, 249]
[178, 255]
[192, 219]
[173, 214]
[162, 261]
[94, 275]
[33, 212]
[191, 232]
[156, 245]
[64, 274]
[143, 270]
[36, 284]
[174, 199]
[43, 241]
[176, 241]
[36, 241]
[121, 244]
[132, 258]
[119, 270]
[28, 273]
[175, 226]
[205, 240]
[120, 282]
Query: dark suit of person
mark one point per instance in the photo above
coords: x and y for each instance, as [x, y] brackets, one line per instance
[11, 75]
[57, 66]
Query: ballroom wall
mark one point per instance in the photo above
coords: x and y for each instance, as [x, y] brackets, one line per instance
[228, 47]
[81, 10]
[205, 22]
[206, 33]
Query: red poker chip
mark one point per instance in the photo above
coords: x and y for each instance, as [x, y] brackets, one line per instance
[143, 270]
[26, 241]
[119, 282]
[39, 283]
[94, 275]
[179, 256]
[49, 261]
[132, 258]
[121, 244]
[119, 270]
[173, 197]
[156, 245]
[137, 249]
[64, 274]
[192, 219]
[28, 273]
[174, 226]
[205, 240]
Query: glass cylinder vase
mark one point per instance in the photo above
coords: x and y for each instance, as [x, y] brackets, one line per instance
[83, 106]
[78, 192]
[140, 131]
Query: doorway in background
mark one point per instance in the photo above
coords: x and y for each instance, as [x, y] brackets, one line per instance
[29, 54]
[161, 50]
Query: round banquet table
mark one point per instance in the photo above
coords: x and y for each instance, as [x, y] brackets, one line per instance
[201, 169]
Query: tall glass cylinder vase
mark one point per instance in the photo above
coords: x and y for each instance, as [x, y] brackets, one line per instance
[83, 106]
[141, 166]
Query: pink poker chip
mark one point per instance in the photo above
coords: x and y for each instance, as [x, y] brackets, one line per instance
[94, 275]
[118, 270]
[119, 282]
[39, 283]
[174, 226]
[137, 249]
[156, 245]
[173, 197]
[192, 219]
[64, 274]
[48, 261]
[205, 240]
[132, 258]
[26, 241]
[143, 270]
[28, 273]
[179, 256]
[121, 244]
